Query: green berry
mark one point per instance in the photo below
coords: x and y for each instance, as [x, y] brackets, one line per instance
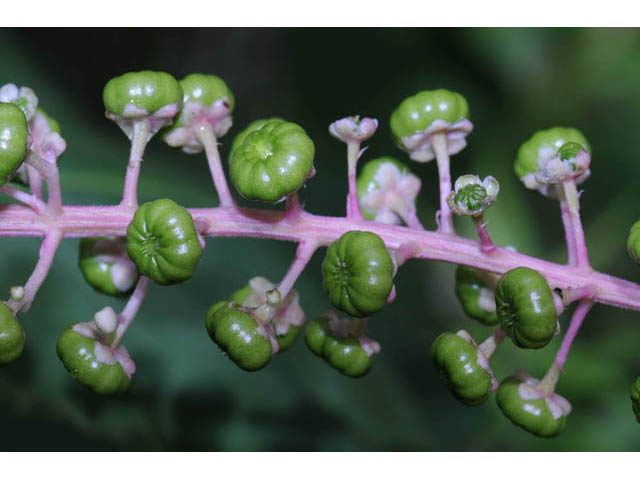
[106, 266]
[162, 242]
[340, 342]
[272, 162]
[347, 356]
[464, 369]
[525, 307]
[13, 140]
[635, 398]
[476, 298]
[140, 94]
[316, 334]
[357, 273]
[286, 340]
[542, 146]
[530, 409]
[205, 90]
[253, 127]
[418, 117]
[633, 242]
[92, 364]
[11, 336]
[240, 335]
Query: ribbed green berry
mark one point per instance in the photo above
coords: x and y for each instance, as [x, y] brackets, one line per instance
[11, 336]
[316, 334]
[525, 307]
[13, 140]
[238, 334]
[542, 145]
[457, 360]
[272, 162]
[417, 113]
[139, 94]
[476, 298]
[81, 356]
[633, 242]
[532, 414]
[253, 127]
[347, 356]
[357, 273]
[635, 398]
[472, 196]
[162, 242]
[205, 90]
[106, 266]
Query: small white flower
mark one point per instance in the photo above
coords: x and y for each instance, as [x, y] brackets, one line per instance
[395, 197]
[472, 196]
[23, 97]
[353, 129]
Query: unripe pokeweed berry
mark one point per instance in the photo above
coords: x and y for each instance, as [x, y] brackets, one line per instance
[240, 335]
[106, 266]
[272, 162]
[463, 367]
[635, 398]
[544, 415]
[357, 273]
[207, 99]
[139, 94]
[477, 300]
[340, 342]
[253, 127]
[11, 336]
[534, 154]
[418, 118]
[386, 188]
[13, 140]
[633, 242]
[162, 242]
[287, 317]
[98, 367]
[525, 307]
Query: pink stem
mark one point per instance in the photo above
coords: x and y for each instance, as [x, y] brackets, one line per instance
[486, 245]
[87, 221]
[139, 139]
[24, 197]
[49, 170]
[442, 157]
[208, 140]
[576, 321]
[35, 182]
[131, 309]
[353, 205]
[571, 196]
[304, 253]
[293, 208]
[569, 235]
[488, 347]
[571, 295]
[47, 253]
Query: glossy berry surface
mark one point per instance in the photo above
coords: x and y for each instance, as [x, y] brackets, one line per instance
[357, 273]
[525, 308]
[633, 242]
[476, 298]
[238, 334]
[139, 94]
[91, 363]
[272, 162]
[106, 266]
[11, 336]
[162, 242]
[13, 140]
[457, 360]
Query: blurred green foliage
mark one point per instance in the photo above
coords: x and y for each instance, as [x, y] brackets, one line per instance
[186, 395]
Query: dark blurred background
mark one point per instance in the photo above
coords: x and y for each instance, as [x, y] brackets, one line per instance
[186, 395]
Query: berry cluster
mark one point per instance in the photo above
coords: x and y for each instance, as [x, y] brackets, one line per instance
[125, 247]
